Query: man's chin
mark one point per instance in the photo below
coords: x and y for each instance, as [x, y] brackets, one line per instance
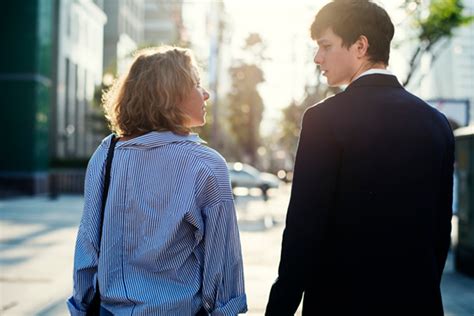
[335, 84]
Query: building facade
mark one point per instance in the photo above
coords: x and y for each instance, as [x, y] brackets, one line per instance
[26, 79]
[451, 76]
[207, 30]
[163, 22]
[78, 73]
[48, 76]
[123, 33]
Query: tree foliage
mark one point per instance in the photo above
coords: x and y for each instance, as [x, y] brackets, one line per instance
[293, 114]
[245, 103]
[435, 24]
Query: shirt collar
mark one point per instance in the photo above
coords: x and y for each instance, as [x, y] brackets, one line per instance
[374, 71]
[155, 139]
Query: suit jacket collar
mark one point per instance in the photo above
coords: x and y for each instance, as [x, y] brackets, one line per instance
[375, 80]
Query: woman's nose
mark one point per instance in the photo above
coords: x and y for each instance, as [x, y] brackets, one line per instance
[205, 94]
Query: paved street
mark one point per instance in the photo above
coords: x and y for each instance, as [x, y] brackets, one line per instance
[37, 239]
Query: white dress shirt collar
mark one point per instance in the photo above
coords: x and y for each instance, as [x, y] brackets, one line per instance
[374, 71]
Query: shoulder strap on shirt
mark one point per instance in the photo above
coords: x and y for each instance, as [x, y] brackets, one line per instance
[105, 192]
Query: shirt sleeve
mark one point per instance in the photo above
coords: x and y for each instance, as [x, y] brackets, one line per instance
[85, 273]
[86, 250]
[223, 290]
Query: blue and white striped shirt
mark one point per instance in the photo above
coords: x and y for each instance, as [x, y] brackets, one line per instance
[170, 239]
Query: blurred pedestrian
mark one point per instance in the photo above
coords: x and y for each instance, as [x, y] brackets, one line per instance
[170, 242]
[368, 224]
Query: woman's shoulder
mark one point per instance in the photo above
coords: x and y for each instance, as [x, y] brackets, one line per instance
[209, 156]
[213, 183]
[99, 155]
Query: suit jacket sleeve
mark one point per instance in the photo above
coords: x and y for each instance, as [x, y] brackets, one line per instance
[313, 192]
[445, 211]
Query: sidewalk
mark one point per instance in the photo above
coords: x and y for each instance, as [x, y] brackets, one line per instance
[37, 243]
[36, 251]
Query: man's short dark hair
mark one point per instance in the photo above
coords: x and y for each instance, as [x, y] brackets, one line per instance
[349, 19]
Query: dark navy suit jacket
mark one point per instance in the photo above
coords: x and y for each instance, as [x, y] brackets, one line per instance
[369, 220]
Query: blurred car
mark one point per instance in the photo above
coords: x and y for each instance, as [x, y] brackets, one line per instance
[246, 176]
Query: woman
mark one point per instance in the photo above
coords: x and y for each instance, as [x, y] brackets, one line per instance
[170, 243]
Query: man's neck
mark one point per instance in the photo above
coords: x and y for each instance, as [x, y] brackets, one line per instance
[367, 66]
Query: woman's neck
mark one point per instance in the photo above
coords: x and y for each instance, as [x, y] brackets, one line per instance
[131, 136]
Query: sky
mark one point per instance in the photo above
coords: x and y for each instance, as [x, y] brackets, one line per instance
[284, 27]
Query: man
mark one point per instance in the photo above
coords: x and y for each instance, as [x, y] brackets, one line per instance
[368, 224]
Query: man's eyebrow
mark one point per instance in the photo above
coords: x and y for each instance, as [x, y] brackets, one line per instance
[322, 41]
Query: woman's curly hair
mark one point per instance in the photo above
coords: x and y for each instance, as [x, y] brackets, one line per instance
[148, 97]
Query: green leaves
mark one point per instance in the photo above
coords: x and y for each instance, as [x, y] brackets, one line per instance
[436, 23]
[444, 16]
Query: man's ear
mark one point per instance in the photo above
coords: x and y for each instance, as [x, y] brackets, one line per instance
[362, 46]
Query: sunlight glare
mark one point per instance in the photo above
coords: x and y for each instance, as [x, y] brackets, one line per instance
[284, 27]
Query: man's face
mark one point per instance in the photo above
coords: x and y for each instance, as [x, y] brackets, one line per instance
[337, 63]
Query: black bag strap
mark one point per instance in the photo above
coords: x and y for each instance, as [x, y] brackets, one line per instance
[94, 307]
[105, 192]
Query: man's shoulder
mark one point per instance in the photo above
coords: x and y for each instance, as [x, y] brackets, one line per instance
[424, 107]
[326, 106]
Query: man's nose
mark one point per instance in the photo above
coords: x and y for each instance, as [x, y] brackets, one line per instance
[317, 58]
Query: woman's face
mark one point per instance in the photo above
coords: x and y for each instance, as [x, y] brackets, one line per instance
[194, 106]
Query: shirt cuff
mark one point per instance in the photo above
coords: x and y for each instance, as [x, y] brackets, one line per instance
[235, 306]
[73, 309]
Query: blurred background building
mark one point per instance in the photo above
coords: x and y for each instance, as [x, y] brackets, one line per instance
[164, 22]
[451, 76]
[26, 86]
[78, 70]
[123, 32]
[48, 77]
[207, 28]
[61, 54]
